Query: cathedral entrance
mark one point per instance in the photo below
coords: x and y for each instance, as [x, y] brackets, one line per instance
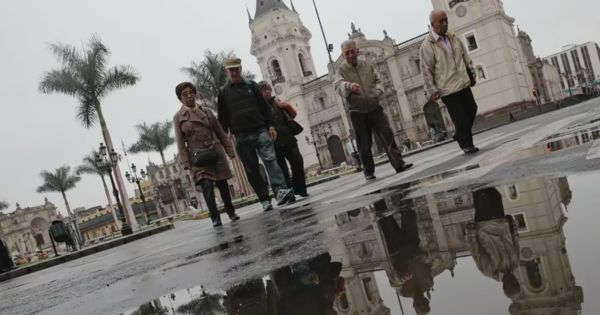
[39, 240]
[434, 118]
[336, 150]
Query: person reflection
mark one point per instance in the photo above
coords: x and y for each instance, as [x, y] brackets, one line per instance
[493, 240]
[411, 272]
[249, 298]
[307, 287]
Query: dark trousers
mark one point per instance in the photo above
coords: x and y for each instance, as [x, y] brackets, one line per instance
[462, 109]
[208, 190]
[356, 157]
[292, 154]
[364, 125]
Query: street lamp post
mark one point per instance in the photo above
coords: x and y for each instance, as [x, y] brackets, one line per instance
[133, 178]
[108, 161]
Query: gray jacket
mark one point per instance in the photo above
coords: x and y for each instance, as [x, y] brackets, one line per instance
[363, 74]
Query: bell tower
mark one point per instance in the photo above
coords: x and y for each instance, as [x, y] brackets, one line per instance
[280, 43]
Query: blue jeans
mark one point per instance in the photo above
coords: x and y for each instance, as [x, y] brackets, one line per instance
[251, 145]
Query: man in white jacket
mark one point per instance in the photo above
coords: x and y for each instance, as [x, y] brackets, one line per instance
[448, 75]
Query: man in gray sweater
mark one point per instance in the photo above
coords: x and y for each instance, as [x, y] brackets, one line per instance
[356, 83]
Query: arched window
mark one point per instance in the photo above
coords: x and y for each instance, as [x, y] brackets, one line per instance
[534, 274]
[305, 71]
[276, 69]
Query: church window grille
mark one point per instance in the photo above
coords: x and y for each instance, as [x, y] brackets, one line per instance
[521, 222]
[534, 273]
[277, 69]
[368, 285]
[472, 43]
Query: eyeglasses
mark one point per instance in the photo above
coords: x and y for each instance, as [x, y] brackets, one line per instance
[233, 69]
[186, 94]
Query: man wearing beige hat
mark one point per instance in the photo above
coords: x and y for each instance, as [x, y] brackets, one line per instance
[244, 112]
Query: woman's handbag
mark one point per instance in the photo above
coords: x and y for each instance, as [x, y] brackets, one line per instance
[206, 156]
[295, 127]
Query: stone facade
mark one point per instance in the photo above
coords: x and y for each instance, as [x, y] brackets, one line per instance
[25, 230]
[280, 43]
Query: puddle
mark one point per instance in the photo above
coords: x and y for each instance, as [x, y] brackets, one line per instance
[500, 249]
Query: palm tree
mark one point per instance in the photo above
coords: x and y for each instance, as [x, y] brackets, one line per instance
[61, 180]
[209, 76]
[85, 76]
[156, 138]
[91, 166]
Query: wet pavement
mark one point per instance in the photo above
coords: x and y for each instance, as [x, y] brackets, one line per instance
[511, 230]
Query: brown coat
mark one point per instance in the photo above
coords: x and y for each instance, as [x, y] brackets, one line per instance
[193, 131]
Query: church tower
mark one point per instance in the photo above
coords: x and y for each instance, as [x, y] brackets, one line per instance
[280, 43]
[489, 36]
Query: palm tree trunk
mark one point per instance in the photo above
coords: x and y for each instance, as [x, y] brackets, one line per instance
[73, 217]
[129, 216]
[110, 203]
[171, 182]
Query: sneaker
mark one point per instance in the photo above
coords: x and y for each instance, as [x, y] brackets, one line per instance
[217, 222]
[266, 205]
[285, 196]
[471, 150]
[304, 195]
[234, 217]
[370, 177]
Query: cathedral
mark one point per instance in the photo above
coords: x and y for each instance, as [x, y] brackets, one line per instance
[281, 45]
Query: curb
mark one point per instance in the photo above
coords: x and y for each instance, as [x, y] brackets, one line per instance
[82, 253]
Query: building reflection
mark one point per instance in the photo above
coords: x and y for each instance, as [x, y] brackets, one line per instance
[412, 242]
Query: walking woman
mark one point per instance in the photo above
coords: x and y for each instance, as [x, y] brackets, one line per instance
[203, 149]
[286, 145]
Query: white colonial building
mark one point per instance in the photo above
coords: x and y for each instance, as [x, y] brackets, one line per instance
[281, 44]
[579, 66]
[25, 230]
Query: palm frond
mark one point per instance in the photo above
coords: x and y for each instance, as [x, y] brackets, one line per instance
[119, 77]
[66, 54]
[60, 180]
[153, 138]
[64, 81]
[87, 112]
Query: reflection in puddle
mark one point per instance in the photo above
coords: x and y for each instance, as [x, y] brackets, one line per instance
[399, 248]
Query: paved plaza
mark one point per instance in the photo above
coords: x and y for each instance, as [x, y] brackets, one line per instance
[553, 157]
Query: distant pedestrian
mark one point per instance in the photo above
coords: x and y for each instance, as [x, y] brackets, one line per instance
[448, 74]
[197, 130]
[356, 83]
[245, 113]
[352, 150]
[286, 145]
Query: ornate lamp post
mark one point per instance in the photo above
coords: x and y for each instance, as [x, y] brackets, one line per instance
[314, 143]
[133, 178]
[108, 161]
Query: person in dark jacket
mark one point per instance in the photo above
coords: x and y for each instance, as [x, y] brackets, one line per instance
[286, 145]
[244, 112]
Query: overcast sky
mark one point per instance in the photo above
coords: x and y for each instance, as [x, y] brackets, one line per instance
[157, 38]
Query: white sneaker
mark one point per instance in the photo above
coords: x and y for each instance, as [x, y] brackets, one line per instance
[285, 196]
[266, 205]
